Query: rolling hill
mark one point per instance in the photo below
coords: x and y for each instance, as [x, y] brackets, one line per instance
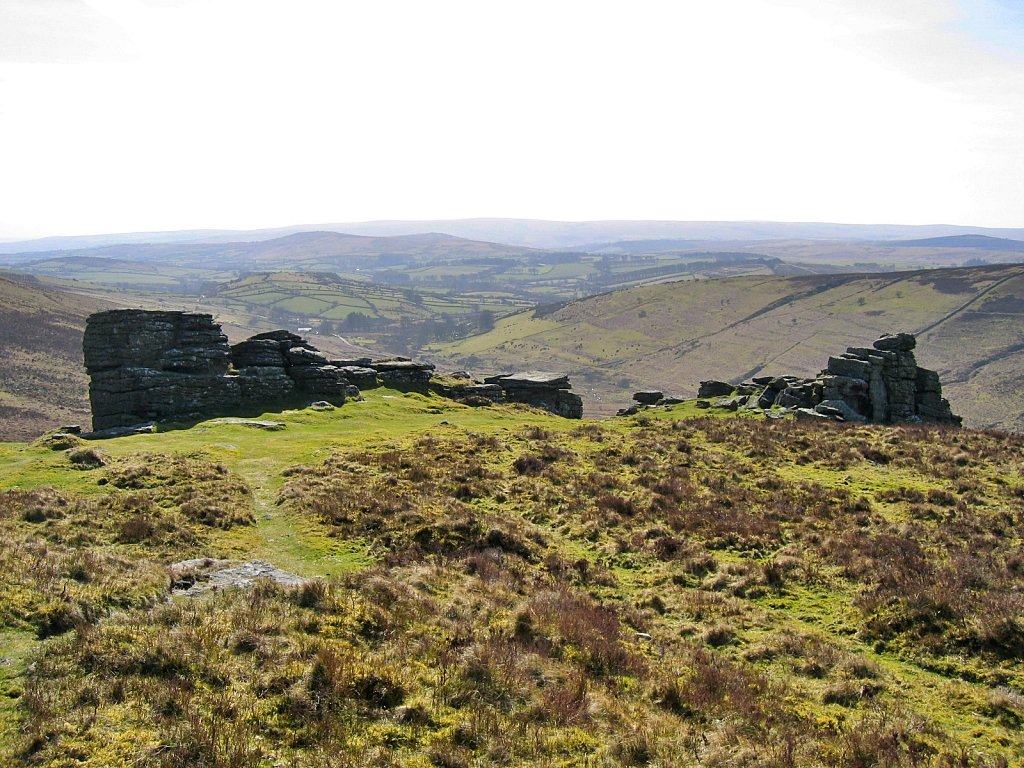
[42, 381]
[431, 264]
[969, 321]
[302, 250]
[983, 242]
[534, 233]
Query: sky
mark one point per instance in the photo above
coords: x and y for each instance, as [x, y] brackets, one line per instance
[146, 115]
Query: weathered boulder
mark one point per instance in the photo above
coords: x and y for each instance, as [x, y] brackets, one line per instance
[531, 380]
[839, 409]
[850, 367]
[714, 388]
[896, 342]
[324, 380]
[151, 366]
[648, 396]
[257, 353]
[465, 390]
[809, 414]
[730, 403]
[797, 395]
[186, 342]
[361, 376]
[361, 362]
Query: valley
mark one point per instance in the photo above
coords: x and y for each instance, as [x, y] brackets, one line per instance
[620, 315]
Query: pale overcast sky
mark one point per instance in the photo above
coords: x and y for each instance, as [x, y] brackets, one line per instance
[128, 115]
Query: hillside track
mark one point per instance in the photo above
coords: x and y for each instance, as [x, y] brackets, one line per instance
[966, 305]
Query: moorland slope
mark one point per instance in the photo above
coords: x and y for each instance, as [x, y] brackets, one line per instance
[671, 336]
[42, 381]
[497, 586]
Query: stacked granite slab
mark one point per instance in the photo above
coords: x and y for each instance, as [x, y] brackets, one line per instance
[403, 374]
[463, 388]
[173, 366]
[358, 372]
[152, 366]
[549, 391]
[281, 363]
[260, 368]
[882, 384]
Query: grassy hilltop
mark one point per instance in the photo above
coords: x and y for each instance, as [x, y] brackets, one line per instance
[497, 586]
[673, 335]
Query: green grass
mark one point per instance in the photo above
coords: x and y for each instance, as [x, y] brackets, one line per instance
[488, 572]
[15, 650]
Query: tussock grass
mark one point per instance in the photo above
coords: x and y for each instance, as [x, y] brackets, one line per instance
[657, 592]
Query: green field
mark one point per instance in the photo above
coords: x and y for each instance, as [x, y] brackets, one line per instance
[313, 295]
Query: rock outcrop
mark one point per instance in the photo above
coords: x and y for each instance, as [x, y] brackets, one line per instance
[149, 366]
[404, 374]
[714, 388]
[540, 389]
[881, 384]
[277, 365]
[648, 396]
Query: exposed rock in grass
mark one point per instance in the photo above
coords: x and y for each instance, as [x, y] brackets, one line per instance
[190, 578]
[269, 426]
[648, 396]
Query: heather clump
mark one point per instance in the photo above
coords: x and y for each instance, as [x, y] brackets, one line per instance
[704, 592]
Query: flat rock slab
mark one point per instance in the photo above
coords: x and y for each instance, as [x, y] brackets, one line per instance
[528, 379]
[270, 426]
[105, 434]
[201, 575]
[382, 366]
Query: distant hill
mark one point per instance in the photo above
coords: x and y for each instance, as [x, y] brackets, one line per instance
[670, 336]
[432, 263]
[574, 234]
[303, 249]
[983, 242]
[42, 381]
[534, 233]
[76, 242]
